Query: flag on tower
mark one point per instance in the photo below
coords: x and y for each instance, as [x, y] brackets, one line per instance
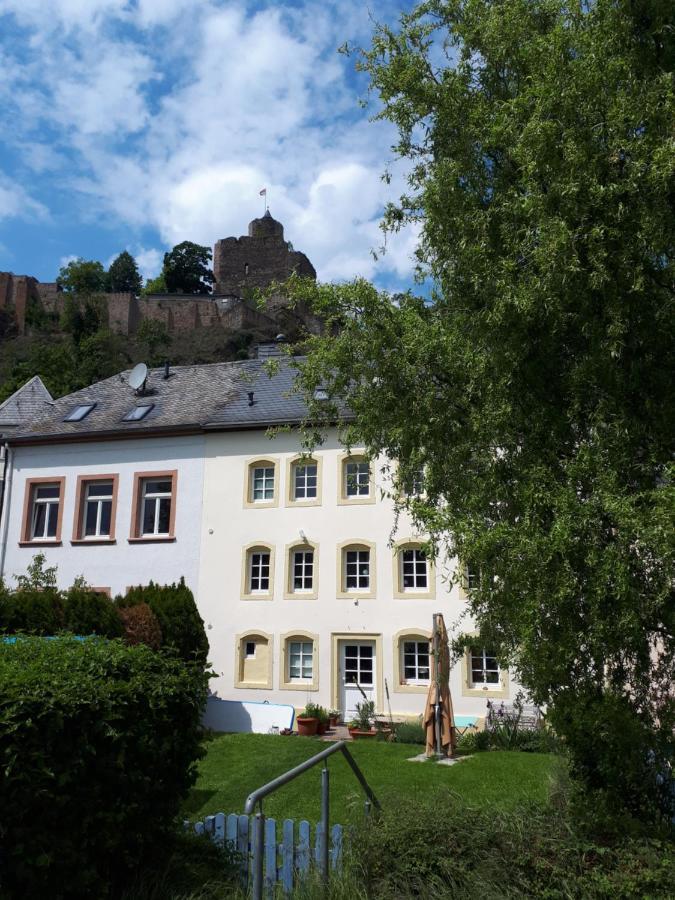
[263, 193]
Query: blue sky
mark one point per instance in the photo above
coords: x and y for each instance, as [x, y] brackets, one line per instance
[136, 124]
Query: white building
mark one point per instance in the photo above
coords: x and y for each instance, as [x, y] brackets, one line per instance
[305, 592]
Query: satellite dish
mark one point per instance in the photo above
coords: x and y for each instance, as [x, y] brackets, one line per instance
[138, 376]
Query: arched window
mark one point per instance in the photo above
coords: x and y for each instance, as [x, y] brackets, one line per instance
[355, 480]
[302, 572]
[300, 664]
[412, 661]
[258, 572]
[414, 574]
[254, 660]
[262, 483]
[356, 572]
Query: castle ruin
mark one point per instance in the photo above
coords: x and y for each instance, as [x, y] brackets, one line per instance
[241, 267]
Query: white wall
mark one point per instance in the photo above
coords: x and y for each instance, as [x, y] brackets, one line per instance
[229, 526]
[121, 564]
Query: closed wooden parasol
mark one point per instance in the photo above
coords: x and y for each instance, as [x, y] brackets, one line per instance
[439, 721]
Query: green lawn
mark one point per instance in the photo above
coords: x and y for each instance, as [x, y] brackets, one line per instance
[236, 764]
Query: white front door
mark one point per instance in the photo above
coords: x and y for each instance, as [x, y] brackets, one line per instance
[357, 670]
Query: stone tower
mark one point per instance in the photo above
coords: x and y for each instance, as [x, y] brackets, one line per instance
[248, 263]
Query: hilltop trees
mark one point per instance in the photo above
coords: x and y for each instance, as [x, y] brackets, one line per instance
[186, 269]
[123, 274]
[535, 390]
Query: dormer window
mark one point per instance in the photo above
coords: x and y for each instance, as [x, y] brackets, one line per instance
[138, 413]
[80, 412]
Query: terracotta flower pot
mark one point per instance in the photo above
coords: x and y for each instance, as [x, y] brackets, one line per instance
[322, 727]
[333, 720]
[358, 735]
[307, 725]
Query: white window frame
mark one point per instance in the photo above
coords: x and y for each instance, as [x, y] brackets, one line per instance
[482, 654]
[415, 588]
[253, 552]
[303, 552]
[471, 577]
[416, 653]
[360, 551]
[359, 479]
[156, 497]
[47, 503]
[302, 643]
[265, 468]
[98, 502]
[303, 466]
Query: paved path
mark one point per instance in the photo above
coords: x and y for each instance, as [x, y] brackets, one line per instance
[339, 733]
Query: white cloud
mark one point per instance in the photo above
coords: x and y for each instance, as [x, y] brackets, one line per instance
[15, 202]
[181, 112]
[149, 261]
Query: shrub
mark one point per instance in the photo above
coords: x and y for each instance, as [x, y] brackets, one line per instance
[435, 847]
[31, 610]
[473, 742]
[178, 617]
[98, 743]
[410, 733]
[141, 626]
[88, 612]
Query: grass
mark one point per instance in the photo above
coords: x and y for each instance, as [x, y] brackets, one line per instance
[236, 764]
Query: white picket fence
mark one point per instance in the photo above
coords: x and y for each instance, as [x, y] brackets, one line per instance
[284, 860]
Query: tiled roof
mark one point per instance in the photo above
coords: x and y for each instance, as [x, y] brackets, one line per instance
[191, 399]
[31, 401]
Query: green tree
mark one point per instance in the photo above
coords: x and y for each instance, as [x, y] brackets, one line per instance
[83, 277]
[535, 389]
[186, 269]
[123, 274]
[155, 285]
[154, 337]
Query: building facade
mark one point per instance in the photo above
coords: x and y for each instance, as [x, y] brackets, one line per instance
[306, 590]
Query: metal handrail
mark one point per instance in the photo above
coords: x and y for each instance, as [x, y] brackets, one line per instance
[258, 795]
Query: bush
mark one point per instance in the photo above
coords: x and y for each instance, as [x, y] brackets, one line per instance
[141, 626]
[98, 743]
[434, 847]
[31, 610]
[88, 612]
[178, 617]
[410, 733]
[473, 742]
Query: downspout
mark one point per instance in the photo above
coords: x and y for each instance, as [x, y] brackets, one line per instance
[4, 515]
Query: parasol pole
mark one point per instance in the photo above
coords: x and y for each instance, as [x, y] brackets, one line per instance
[435, 649]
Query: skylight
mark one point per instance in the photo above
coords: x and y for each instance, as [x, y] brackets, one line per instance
[138, 413]
[78, 413]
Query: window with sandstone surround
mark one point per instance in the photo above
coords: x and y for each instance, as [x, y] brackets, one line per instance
[42, 511]
[95, 509]
[257, 572]
[153, 512]
[261, 488]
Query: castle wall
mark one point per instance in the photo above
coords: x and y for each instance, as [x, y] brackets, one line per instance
[16, 292]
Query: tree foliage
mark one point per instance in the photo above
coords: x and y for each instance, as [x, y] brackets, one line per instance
[186, 269]
[83, 277]
[535, 389]
[123, 274]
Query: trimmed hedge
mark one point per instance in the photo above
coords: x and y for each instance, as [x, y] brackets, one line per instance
[98, 744]
[87, 612]
[178, 617]
[30, 610]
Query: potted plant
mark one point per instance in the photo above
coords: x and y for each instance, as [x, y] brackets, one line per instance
[324, 720]
[362, 725]
[308, 721]
[333, 717]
